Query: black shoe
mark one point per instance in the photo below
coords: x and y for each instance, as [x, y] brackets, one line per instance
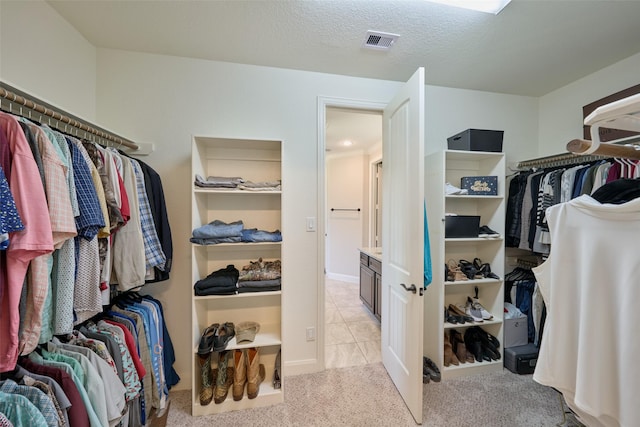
[430, 371]
[206, 341]
[223, 335]
[485, 231]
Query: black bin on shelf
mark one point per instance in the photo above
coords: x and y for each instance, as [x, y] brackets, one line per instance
[461, 226]
[477, 140]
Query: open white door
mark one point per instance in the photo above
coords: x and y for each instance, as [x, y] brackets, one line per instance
[402, 241]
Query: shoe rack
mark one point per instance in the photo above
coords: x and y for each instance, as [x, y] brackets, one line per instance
[257, 161]
[450, 166]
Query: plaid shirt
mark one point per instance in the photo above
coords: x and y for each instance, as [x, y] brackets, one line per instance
[35, 396]
[153, 251]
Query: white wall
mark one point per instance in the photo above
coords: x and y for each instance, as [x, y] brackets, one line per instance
[41, 54]
[166, 100]
[561, 111]
[347, 188]
[449, 111]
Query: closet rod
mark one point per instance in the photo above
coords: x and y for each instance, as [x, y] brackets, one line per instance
[62, 119]
[558, 160]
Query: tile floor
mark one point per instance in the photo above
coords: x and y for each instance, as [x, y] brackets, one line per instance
[352, 331]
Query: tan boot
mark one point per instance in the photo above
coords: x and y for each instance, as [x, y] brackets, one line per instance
[239, 373]
[255, 373]
[224, 379]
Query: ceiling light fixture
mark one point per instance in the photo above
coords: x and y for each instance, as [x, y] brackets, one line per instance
[347, 143]
[488, 6]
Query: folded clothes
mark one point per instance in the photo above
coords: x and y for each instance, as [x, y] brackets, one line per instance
[259, 283]
[215, 241]
[265, 289]
[255, 235]
[217, 229]
[218, 181]
[259, 270]
[224, 279]
[260, 186]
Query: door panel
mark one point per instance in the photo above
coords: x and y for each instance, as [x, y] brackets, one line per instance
[402, 242]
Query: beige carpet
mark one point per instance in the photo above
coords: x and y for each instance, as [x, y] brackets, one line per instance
[365, 396]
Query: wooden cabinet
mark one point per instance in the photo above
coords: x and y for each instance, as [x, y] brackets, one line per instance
[371, 283]
[256, 161]
[450, 166]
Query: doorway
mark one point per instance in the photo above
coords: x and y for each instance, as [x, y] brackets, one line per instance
[352, 149]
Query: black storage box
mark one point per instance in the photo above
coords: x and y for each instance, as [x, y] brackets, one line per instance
[480, 185]
[477, 140]
[461, 226]
[521, 359]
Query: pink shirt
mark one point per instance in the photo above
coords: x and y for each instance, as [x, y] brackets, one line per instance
[35, 240]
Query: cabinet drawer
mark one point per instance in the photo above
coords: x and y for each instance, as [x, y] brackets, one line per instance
[375, 265]
[364, 259]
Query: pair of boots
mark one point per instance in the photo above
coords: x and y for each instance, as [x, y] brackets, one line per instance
[222, 375]
[249, 371]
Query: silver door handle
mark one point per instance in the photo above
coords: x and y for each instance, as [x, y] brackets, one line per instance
[411, 288]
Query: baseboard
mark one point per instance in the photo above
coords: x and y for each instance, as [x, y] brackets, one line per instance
[298, 367]
[343, 278]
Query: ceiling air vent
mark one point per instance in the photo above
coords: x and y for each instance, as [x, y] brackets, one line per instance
[379, 40]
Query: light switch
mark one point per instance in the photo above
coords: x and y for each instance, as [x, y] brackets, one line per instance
[311, 223]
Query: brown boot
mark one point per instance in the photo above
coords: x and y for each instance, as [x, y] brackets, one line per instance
[224, 379]
[206, 379]
[239, 373]
[255, 373]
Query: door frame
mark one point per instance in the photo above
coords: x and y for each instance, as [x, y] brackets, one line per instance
[325, 102]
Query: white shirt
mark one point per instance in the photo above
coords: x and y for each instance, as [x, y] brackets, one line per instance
[591, 286]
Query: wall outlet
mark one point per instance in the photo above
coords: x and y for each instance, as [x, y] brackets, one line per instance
[311, 333]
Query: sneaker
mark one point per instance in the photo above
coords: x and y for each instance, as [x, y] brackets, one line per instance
[450, 189]
[472, 311]
[430, 371]
[484, 313]
[485, 231]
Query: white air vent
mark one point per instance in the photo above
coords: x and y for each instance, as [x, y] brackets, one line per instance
[379, 40]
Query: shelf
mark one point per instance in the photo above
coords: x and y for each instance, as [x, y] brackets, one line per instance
[471, 155]
[493, 321]
[269, 335]
[472, 239]
[472, 282]
[476, 367]
[266, 397]
[201, 190]
[242, 295]
[239, 244]
[473, 197]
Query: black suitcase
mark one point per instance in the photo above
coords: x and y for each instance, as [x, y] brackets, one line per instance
[521, 359]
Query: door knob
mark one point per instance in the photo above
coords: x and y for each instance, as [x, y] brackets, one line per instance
[411, 288]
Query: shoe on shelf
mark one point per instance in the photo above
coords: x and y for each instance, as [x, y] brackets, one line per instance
[224, 378]
[450, 357]
[239, 373]
[485, 231]
[223, 335]
[450, 318]
[276, 373]
[460, 348]
[430, 371]
[451, 189]
[475, 304]
[471, 310]
[470, 270]
[484, 269]
[455, 272]
[255, 372]
[206, 379]
[206, 341]
[459, 312]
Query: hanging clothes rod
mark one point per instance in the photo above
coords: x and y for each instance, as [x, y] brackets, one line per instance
[558, 160]
[338, 209]
[16, 102]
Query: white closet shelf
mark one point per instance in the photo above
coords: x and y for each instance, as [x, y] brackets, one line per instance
[242, 295]
[239, 244]
[471, 282]
[494, 321]
[200, 190]
[269, 335]
[268, 396]
[473, 239]
[473, 196]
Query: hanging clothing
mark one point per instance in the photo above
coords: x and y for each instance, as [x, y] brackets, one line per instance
[588, 350]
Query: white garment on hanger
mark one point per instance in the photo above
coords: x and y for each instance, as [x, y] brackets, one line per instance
[589, 283]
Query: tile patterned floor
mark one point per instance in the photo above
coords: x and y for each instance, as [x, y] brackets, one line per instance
[352, 332]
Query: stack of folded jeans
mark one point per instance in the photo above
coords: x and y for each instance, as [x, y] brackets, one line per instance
[260, 276]
[218, 232]
[252, 235]
[220, 282]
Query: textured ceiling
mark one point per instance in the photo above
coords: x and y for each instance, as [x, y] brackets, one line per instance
[531, 48]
